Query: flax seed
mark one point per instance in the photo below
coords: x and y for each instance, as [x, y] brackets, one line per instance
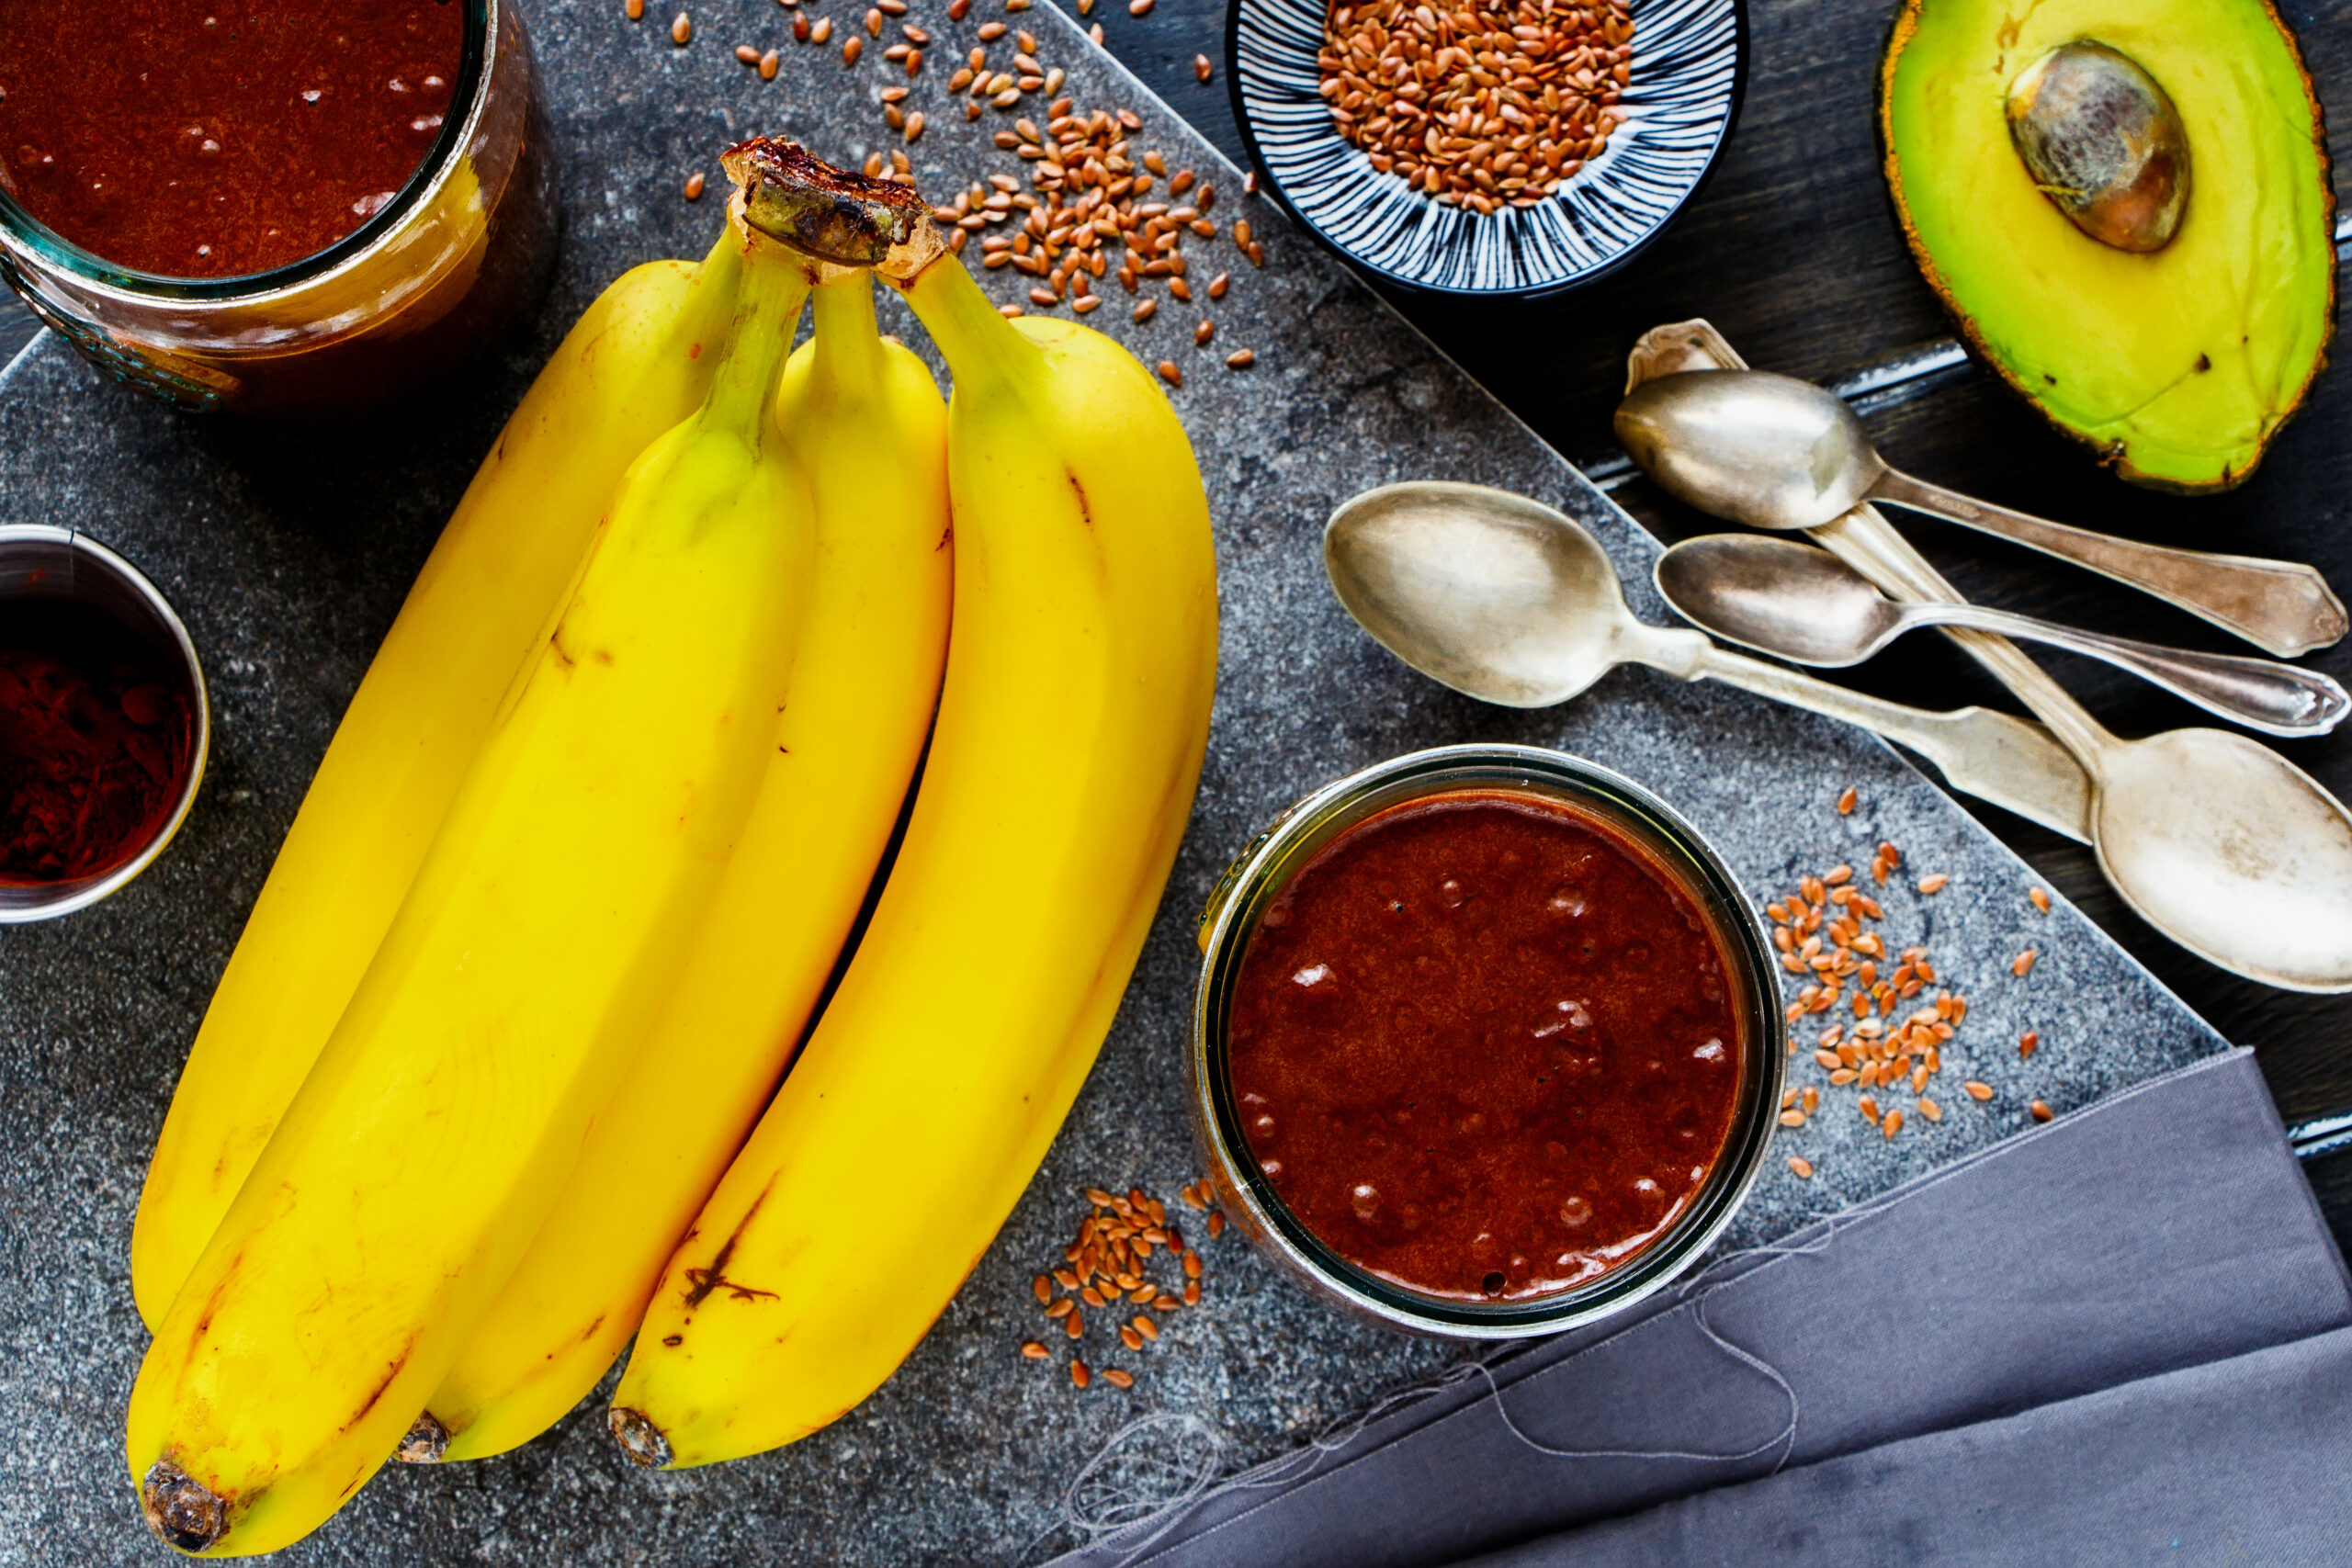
[1170, 373]
[1801, 1166]
[1978, 1091]
[1130, 1338]
[1074, 1325]
[2038, 898]
[693, 186]
[1217, 1225]
[1846, 801]
[2022, 965]
[1118, 1379]
[1035, 1351]
[634, 10]
[682, 31]
[820, 33]
[1933, 884]
[2041, 1111]
[1078, 1374]
[1891, 1124]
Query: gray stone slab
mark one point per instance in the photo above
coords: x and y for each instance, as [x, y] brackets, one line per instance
[289, 555]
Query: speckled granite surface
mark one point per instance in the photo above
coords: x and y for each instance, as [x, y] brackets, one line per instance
[288, 554]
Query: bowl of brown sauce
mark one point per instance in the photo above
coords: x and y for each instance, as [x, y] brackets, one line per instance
[1486, 1043]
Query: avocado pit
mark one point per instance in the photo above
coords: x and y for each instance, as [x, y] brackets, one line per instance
[2104, 143]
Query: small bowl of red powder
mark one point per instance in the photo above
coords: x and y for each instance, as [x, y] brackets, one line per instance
[1486, 1043]
[104, 725]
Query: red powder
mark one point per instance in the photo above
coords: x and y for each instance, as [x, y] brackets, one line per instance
[215, 138]
[97, 738]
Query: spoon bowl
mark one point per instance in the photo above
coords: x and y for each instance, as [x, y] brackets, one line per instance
[1479, 588]
[1767, 450]
[2232, 851]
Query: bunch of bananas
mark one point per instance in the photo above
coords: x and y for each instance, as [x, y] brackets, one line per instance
[476, 1096]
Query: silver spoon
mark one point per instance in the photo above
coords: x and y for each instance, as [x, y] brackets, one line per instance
[1774, 452]
[2215, 841]
[1806, 605]
[1512, 602]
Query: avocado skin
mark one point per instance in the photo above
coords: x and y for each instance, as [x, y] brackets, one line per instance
[2139, 358]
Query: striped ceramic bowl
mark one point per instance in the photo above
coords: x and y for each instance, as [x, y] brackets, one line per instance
[1688, 64]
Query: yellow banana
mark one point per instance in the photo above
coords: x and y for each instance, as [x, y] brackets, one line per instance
[632, 366]
[865, 422]
[1080, 667]
[519, 977]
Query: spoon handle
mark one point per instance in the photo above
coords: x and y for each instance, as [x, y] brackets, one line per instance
[2282, 607]
[2278, 699]
[2014, 765]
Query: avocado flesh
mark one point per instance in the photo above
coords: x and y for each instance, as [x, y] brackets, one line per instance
[2176, 365]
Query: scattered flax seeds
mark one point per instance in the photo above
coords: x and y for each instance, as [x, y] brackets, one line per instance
[1488, 104]
[682, 31]
[1797, 1163]
[1891, 1016]
[2022, 965]
[2042, 1113]
[1846, 801]
[1109, 1261]
[693, 188]
[2029, 1043]
[2038, 898]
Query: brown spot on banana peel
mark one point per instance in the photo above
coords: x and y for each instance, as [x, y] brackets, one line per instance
[181, 1510]
[1079, 490]
[391, 1374]
[701, 1282]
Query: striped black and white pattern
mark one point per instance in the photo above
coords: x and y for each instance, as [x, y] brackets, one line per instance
[1688, 56]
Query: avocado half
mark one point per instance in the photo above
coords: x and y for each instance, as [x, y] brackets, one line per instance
[2177, 365]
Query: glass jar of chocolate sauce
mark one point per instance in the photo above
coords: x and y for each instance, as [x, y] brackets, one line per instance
[273, 207]
[1487, 1043]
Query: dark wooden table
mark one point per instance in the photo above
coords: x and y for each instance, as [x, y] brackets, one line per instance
[1792, 252]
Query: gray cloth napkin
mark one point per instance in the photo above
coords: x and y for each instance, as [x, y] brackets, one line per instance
[2095, 1272]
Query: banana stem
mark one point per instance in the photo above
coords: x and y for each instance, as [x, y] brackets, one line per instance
[849, 345]
[775, 286]
[977, 342]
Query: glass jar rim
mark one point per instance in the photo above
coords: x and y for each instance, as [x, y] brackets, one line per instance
[22, 228]
[1293, 839]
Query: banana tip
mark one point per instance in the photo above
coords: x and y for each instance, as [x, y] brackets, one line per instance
[638, 1438]
[180, 1509]
[426, 1442]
